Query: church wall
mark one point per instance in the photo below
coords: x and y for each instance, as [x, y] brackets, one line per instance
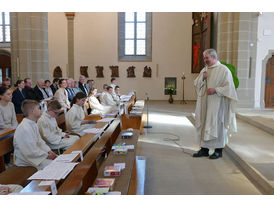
[237, 33]
[58, 42]
[96, 43]
[265, 49]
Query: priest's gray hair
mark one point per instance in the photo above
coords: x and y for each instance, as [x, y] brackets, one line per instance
[211, 52]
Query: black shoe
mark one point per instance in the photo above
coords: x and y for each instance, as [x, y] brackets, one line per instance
[215, 155]
[203, 152]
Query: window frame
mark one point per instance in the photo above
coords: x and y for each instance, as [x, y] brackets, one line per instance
[5, 43]
[121, 39]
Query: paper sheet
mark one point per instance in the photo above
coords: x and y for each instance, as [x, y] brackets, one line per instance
[54, 171]
[65, 157]
[121, 165]
[93, 130]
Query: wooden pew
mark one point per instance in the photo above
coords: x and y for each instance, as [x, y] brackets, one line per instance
[135, 121]
[19, 118]
[14, 174]
[4, 146]
[85, 173]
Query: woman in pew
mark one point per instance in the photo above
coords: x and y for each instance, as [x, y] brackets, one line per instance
[7, 112]
[62, 95]
[29, 148]
[18, 96]
[7, 115]
[96, 107]
[49, 130]
[75, 122]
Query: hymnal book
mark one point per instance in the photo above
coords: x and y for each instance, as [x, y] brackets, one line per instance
[104, 182]
[120, 151]
[97, 191]
[112, 171]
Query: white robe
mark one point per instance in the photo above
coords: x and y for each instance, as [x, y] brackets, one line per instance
[52, 134]
[116, 98]
[74, 117]
[29, 148]
[101, 96]
[98, 108]
[215, 114]
[8, 116]
[109, 101]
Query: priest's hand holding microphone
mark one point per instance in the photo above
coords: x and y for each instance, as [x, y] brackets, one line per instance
[209, 91]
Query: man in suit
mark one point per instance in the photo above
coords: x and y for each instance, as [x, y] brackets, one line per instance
[82, 86]
[54, 87]
[28, 90]
[39, 91]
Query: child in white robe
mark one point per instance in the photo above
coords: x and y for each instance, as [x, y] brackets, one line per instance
[108, 99]
[96, 107]
[75, 122]
[49, 130]
[29, 148]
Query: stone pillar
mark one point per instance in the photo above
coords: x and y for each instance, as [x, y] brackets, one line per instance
[70, 69]
[29, 45]
[237, 34]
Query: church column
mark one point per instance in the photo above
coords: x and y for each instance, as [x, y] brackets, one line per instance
[237, 33]
[29, 45]
[70, 68]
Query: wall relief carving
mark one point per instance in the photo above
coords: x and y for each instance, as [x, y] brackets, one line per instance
[57, 72]
[99, 71]
[84, 70]
[131, 72]
[114, 71]
[147, 72]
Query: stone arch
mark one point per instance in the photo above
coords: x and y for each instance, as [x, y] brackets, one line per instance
[5, 52]
[264, 63]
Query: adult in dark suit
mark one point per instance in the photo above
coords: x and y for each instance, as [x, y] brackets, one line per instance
[18, 96]
[82, 85]
[54, 87]
[28, 90]
[39, 91]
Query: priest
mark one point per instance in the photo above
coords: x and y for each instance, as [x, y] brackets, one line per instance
[215, 109]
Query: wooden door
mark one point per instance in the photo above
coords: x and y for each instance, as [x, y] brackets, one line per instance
[269, 84]
[5, 67]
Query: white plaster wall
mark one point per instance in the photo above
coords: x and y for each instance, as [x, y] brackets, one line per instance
[57, 41]
[264, 45]
[96, 43]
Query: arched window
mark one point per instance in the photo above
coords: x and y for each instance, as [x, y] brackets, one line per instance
[4, 27]
[134, 36]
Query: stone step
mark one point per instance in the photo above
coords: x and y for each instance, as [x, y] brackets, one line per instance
[253, 150]
[263, 123]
